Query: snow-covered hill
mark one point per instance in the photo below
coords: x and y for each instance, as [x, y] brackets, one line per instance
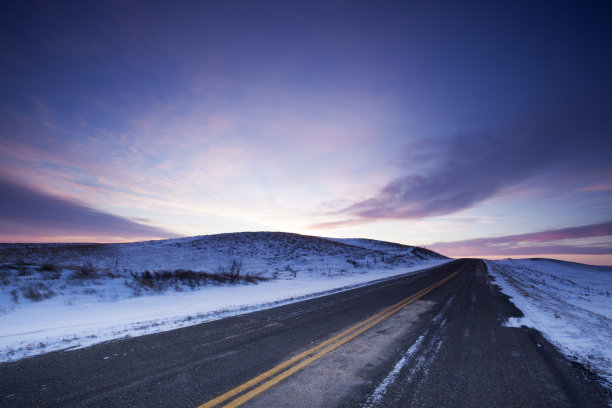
[260, 252]
[55, 296]
[416, 253]
[570, 303]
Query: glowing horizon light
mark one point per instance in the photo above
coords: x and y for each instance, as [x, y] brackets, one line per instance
[409, 123]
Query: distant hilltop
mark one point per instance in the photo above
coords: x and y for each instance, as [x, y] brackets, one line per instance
[263, 253]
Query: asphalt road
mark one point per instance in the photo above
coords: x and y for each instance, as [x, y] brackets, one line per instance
[446, 348]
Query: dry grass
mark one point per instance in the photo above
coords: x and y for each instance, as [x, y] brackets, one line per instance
[162, 280]
[37, 292]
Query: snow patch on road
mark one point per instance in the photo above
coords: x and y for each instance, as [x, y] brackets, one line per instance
[571, 304]
[380, 391]
[423, 361]
[443, 310]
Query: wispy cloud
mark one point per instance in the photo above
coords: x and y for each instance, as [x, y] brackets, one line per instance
[336, 224]
[464, 170]
[30, 215]
[573, 240]
[179, 115]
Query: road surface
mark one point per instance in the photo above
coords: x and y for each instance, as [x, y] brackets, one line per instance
[434, 338]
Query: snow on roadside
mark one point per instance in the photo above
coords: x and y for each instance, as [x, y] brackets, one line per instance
[571, 304]
[62, 322]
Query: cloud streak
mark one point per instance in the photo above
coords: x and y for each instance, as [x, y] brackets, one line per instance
[558, 241]
[30, 215]
[472, 167]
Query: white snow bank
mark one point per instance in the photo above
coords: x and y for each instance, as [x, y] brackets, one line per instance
[571, 304]
[106, 308]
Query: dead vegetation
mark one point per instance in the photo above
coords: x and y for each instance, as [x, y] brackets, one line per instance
[85, 271]
[179, 278]
[36, 292]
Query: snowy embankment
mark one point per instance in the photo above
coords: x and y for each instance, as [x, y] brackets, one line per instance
[571, 304]
[57, 297]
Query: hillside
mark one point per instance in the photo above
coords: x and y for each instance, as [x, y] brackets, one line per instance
[263, 253]
[57, 296]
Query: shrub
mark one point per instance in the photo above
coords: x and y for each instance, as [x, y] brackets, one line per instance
[353, 262]
[85, 271]
[234, 270]
[161, 280]
[255, 278]
[229, 273]
[48, 267]
[23, 271]
[50, 271]
[37, 292]
[4, 275]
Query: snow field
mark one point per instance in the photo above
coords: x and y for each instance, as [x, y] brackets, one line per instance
[571, 304]
[56, 297]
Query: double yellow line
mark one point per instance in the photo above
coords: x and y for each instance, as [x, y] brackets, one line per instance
[309, 356]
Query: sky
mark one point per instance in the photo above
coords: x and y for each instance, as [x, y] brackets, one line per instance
[471, 128]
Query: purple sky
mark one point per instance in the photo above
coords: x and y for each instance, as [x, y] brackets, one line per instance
[568, 241]
[468, 127]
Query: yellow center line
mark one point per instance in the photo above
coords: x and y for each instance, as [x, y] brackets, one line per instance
[340, 339]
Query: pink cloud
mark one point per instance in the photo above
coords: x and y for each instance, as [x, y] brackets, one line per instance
[28, 215]
[603, 186]
[469, 168]
[549, 242]
[336, 224]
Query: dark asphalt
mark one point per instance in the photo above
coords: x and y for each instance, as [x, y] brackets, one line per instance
[467, 357]
[463, 356]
